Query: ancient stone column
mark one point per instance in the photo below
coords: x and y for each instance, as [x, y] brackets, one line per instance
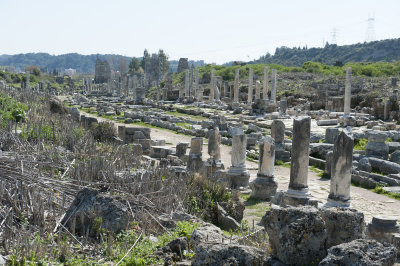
[28, 80]
[273, 91]
[238, 174]
[236, 87]
[187, 92]
[298, 185]
[265, 84]
[214, 142]
[250, 89]
[282, 107]
[214, 163]
[134, 86]
[258, 88]
[212, 86]
[264, 187]
[191, 83]
[196, 84]
[341, 164]
[347, 92]
[195, 154]
[278, 134]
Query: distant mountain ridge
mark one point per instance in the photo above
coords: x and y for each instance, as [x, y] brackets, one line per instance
[82, 63]
[385, 50]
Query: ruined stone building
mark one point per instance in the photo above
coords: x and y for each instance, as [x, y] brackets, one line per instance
[102, 72]
[183, 64]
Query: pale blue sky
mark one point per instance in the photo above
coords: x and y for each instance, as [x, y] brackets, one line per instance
[216, 31]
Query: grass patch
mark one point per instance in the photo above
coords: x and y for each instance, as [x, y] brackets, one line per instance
[282, 163]
[380, 190]
[360, 144]
[193, 117]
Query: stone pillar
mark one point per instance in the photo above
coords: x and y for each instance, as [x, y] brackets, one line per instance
[238, 175]
[265, 84]
[273, 91]
[250, 89]
[212, 86]
[347, 92]
[282, 107]
[258, 88]
[376, 146]
[200, 93]
[187, 92]
[28, 80]
[134, 86]
[236, 87]
[196, 84]
[214, 163]
[264, 187]
[342, 161]
[297, 192]
[195, 154]
[278, 134]
[191, 83]
[386, 110]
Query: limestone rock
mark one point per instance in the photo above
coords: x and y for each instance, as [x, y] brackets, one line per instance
[225, 221]
[229, 254]
[89, 205]
[296, 235]
[343, 225]
[207, 233]
[361, 252]
[364, 165]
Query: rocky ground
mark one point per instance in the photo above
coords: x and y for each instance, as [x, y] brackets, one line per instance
[368, 202]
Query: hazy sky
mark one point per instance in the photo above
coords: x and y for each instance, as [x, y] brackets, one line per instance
[214, 30]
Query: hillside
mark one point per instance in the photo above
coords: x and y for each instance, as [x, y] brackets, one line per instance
[331, 54]
[82, 63]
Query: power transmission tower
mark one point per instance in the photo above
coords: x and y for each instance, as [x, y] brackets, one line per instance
[333, 34]
[370, 35]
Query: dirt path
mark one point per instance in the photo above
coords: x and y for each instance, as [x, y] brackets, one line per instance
[361, 199]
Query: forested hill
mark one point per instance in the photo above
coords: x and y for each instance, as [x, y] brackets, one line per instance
[82, 63]
[331, 54]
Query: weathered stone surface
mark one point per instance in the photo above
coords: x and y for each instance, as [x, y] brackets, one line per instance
[342, 161]
[342, 225]
[278, 130]
[181, 148]
[207, 233]
[264, 187]
[395, 157]
[364, 165]
[296, 235]
[89, 205]
[376, 146]
[385, 167]
[382, 228]
[361, 252]
[229, 254]
[331, 122]
[225, 221]
[331, 134]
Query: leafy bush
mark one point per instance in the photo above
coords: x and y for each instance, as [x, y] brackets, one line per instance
[103, 131]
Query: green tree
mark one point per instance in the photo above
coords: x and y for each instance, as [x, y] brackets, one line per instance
[134, 65]
[33, 70]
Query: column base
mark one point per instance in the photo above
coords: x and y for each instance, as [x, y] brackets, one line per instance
[297, 197]
[263, 188]
[238, 177]
[337, 202]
